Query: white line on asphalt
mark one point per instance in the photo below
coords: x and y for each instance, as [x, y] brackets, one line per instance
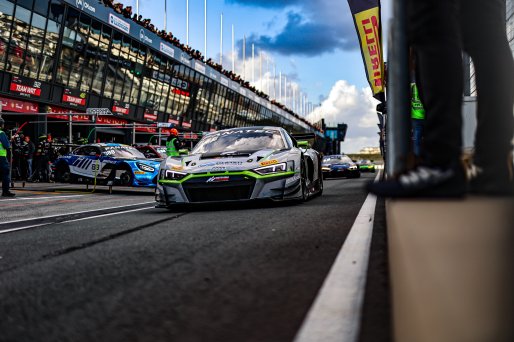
[109, 214]
[78, 212]
[38, 198]
[84, 218]
[336, 312]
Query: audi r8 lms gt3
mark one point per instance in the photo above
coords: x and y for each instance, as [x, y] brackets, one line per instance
[366, 165]
[241, 164]
[115, 164]
[339, 166]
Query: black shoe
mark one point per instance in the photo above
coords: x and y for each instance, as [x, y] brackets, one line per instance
[8, 194]
[423, 181]
[491, 181]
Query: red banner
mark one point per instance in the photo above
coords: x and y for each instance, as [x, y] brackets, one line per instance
[56, 113]
[110, 120]
[18, 106]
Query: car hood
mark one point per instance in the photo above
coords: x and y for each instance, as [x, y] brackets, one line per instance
[197, 164]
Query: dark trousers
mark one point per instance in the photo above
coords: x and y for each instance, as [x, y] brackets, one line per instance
[439, 30]
[5, 173]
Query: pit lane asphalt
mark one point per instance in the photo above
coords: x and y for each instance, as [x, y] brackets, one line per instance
[214, 273]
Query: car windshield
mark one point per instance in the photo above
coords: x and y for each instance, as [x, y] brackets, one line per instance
[122, 151]
[336, 160]
[240, 140]
[364, 161]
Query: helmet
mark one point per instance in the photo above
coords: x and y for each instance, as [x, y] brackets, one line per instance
[174, 132]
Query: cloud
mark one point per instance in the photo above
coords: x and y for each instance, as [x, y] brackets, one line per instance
[311, 29]
[355, 107]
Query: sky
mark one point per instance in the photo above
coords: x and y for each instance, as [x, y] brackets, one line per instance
[312, 44]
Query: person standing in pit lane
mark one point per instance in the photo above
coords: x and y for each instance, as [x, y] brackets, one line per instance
[28, 154]
[4, 162]
[173, 144]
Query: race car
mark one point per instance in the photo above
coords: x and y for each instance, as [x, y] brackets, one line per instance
[109, 164]
[242, 164]
[366, 165]
[339, 165]
[153, 151]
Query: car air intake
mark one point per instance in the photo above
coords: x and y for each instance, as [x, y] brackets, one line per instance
[202, 191]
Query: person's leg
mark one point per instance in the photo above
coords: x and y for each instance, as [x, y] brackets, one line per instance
[434, 34]
[4, 169]
[484, 38]
[29, 168]
[417, 136]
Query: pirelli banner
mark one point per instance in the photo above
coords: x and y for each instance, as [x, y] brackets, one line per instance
[366, 16]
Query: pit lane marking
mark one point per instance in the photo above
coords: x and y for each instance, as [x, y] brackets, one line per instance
[38, 198]
[45, 223]
[336, 312]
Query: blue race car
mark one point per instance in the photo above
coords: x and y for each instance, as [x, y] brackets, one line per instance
[111, 163]
[339, 166]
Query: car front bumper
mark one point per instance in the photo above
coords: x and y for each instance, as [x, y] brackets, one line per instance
[235, 186]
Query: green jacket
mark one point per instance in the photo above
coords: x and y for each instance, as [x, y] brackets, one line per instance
[417, 110]
[3, 150]
[171, 148]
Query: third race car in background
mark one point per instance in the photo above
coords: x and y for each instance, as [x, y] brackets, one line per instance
[339, 165]
[366, 165]
[241, 164]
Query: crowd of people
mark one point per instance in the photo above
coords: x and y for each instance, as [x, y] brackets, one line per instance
[32, 161]
[196, 54]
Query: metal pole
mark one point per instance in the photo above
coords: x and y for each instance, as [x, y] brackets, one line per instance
[187, 22]
[253, 63]
[159, 143]
[221, 39]
[205, 29]
[233, 51]
[398, 99]
[133, 133]
[244, 57]
[165, 14]
[70, 129]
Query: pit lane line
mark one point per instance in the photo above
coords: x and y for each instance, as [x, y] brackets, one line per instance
[336, 312]
[37, 198]
[17, 225]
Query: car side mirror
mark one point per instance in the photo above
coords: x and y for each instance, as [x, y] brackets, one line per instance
[183, 152]
[353, 160]
[303, 144]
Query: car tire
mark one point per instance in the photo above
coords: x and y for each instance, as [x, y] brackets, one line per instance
[303, 181]
[62, 173]
[126, 176]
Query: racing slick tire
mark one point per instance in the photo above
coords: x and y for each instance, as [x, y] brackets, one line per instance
[126, 176]
[303, 181]
[320, 180]
[62, 173]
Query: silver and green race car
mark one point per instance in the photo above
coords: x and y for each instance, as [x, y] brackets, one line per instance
[240, 164]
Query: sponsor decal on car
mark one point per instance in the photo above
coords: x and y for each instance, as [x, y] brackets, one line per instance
[293, 179]
[269, 162]
[177, 167]
[217, 179]
[139, 172]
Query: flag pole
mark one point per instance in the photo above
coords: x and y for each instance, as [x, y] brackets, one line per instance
[187, 22]
[244, 56]
[233, 53]
[253, 63]
[205, 29]
[221, 39]
[165, 12]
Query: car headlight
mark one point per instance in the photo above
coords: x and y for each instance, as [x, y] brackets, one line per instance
[266, 170]
[145, 167]
[352, 167]
[172, 175]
